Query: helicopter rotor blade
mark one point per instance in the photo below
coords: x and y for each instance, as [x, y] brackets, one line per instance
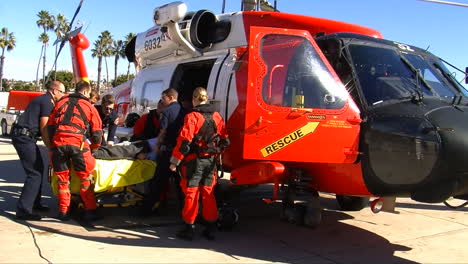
[446, 3]
[57, 41]
[76, 13]
[66, 37]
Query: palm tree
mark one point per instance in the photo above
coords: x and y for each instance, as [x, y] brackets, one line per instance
[44, 39]
[107, 38]
[118, 49]
[102, 48]
[46, 21]
[128, 38]
[39, 65]
[61, 28]
[8, 42]
[98, 51]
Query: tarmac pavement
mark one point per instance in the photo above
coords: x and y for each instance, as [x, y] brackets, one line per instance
[419, 233]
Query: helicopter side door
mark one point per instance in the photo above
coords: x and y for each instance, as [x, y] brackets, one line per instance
[297, 109]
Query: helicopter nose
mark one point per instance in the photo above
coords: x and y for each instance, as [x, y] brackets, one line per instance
[450, 175]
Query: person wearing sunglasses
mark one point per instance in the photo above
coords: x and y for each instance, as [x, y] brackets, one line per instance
[109, 117]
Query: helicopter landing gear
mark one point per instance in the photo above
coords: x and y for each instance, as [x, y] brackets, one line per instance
[306, 211]
[313, 213]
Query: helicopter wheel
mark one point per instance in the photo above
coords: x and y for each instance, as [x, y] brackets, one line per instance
[292, 213]
[302, 213]
[313, 212]
[288, 211]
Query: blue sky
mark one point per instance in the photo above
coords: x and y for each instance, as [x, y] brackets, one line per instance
[442, 28]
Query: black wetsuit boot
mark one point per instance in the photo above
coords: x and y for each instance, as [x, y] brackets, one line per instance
[209, 231]
[187, 233]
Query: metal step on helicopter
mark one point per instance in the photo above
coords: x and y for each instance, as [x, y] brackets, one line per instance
[312, 105]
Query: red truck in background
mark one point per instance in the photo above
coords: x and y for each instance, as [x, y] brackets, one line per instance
[17, 103]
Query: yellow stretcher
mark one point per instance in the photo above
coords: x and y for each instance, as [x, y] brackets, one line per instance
[113, 177]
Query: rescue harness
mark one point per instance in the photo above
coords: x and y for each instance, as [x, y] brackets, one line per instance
[207, 141]
[71, 105]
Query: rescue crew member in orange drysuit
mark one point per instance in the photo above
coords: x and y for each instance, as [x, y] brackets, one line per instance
[74, 121]
[202, 138]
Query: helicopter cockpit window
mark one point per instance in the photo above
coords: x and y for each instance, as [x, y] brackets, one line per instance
[434, 79]
[386, 74]
[296, 75]
[443, 70]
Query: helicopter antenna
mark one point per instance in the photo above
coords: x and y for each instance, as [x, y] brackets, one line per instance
[446, 2]
[224, 7]
[87, 26]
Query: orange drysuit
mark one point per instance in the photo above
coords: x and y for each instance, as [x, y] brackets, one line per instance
[202, 138]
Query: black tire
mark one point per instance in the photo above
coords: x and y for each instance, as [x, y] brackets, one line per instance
[312, 217]
[352, 203]
[4, 128]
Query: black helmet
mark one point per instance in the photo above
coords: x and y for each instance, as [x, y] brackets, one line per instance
[131, 119]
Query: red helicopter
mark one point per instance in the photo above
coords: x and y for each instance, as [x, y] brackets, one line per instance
[312, 105]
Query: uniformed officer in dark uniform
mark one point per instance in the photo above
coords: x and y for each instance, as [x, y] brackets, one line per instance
[171, 121]
[34, 158]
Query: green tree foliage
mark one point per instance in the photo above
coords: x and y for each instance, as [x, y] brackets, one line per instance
[118, 50]
[22, 86]
[8, 42]
[44, 39]
[102, 49]
[65, 77]
[121, 79]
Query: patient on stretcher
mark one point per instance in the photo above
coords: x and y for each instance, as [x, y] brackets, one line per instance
[142, 149]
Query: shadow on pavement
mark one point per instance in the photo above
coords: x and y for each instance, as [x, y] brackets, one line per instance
[12, 172]
[259, 235]
[439, 207]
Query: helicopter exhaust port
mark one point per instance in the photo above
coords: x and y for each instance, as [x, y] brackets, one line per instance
[205, 29]
[177, 32]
